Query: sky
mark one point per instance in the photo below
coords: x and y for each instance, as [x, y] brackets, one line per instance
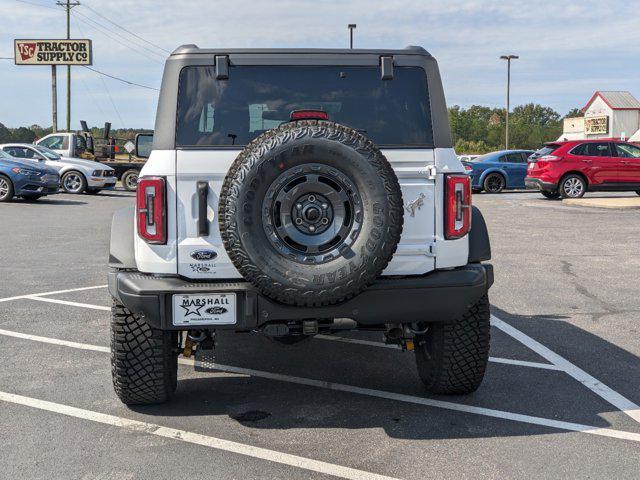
[567, 49]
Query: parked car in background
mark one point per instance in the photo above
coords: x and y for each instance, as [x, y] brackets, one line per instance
[467, 158]
[27, 180]
[496, 171]
[77, 175]
[572, 168]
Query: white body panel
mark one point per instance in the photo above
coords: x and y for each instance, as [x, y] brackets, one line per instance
[422, 247]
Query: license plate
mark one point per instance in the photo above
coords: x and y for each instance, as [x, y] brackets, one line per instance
[204, 309]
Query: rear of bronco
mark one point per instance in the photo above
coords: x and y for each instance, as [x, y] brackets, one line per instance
[297, 192]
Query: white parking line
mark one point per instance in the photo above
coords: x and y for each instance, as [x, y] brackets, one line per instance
[507, 361]
[56, 292]
[65, 302]
[195, 438]
[459, 407]
[593, 384]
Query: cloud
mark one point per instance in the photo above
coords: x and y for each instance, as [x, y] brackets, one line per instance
[567, 49]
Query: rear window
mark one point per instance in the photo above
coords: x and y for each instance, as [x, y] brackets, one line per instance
[546, 150]
[257, 98]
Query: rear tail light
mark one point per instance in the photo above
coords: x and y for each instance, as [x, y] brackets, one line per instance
[151, 210]
[457, 217]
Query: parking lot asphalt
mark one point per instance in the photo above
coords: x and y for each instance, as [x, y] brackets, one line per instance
[559, 399]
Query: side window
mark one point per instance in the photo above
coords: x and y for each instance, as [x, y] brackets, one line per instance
[580, 149]
[525, 156]
[626, 150]
[57, 142]
[14, 152]
[503, 159]
[511, 158]
[81, 143]
[599, 149]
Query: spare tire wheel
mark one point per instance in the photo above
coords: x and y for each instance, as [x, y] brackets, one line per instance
[310, 213]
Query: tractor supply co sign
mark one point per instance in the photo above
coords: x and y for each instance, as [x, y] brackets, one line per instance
[53, 52]
[596, 125]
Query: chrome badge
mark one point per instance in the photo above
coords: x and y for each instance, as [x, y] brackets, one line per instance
[414, 205]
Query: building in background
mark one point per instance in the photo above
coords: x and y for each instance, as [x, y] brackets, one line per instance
[606, 115]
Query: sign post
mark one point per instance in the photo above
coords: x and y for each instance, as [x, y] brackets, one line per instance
[54, 52]
[54, 98]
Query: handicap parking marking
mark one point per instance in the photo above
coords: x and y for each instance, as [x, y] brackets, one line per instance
[382, 394]
[275, 456]
[55, 292]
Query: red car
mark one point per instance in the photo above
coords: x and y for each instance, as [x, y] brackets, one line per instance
[571, 168]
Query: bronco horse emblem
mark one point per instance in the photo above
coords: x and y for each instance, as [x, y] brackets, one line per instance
[414, 205]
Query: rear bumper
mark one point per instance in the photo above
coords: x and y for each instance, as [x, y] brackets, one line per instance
[441, 296]
[537, 184]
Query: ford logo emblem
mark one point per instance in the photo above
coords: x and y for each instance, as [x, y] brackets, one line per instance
[203, 255]
[216, 310]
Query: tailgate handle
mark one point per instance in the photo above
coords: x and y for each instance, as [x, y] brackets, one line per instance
[203, 222]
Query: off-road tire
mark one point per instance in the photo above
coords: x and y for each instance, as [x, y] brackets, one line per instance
[144, 360]
[452, 357]
[550, 195]
[295, 147]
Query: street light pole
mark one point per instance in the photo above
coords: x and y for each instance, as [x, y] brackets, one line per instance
[351, 27]
[508, 58]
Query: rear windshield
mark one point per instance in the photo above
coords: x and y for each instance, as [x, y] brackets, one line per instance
[546, 150]
[257, 98]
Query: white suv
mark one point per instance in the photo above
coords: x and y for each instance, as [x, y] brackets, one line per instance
[296, 192]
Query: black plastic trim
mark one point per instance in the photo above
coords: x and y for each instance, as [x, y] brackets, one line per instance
[121, 246]
[203, 221]
[441, 296]
[479, 244]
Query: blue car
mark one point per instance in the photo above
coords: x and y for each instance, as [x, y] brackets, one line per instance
[27, 180]
[496, 171]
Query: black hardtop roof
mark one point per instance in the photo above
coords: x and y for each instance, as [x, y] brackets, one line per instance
[191, 49]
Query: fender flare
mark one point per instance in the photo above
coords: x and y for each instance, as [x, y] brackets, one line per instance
[479, 244]
[489, 171]
[122, 246]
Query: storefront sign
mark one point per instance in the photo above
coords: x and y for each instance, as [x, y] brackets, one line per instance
[596, 125]
[52, 52]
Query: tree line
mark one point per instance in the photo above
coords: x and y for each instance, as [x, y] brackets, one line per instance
[479, 129]
[34, 132]
[476, 129]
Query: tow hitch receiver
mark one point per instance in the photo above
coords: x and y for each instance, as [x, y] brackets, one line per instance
[205, 350]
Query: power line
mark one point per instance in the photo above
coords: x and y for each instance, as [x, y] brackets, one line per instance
[96, 26]
[122, 28]
[112, 102]
[121, 79]
[36, 4]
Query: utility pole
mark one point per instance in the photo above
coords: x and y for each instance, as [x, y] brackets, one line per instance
[508, 58]
[351, 27]
[54, 98]
[68, 5]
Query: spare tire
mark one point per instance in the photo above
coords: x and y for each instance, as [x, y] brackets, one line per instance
[310, 213]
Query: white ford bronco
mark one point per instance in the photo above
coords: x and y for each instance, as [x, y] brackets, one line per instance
[297, 192]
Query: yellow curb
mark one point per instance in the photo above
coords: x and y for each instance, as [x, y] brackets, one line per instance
[623, 203]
